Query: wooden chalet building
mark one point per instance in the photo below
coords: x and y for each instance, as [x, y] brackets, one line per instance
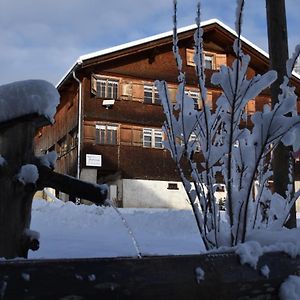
[111, 115]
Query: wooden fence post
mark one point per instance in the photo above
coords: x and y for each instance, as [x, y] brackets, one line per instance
[17, 150]
[16, 147]
[27, 106]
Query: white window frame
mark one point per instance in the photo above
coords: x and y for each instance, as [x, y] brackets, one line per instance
[111, 88]
[209, 58]
[150, 88]
[193, 138]
[104, 137]
[195, 96]
[152, 138]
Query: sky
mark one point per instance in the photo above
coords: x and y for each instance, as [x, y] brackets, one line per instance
[42, 39]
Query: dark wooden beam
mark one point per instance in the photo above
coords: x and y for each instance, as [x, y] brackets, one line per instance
[71, 186]
[158, 277]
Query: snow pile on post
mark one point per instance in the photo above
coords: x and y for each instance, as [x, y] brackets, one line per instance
[241, 156]
[28, 97]
[49, 159]
[28, 174]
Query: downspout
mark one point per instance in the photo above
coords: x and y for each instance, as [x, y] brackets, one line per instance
[79, 135]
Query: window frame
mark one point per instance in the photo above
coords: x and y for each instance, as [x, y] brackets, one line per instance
[151, 135]
[63, 146]
[206, 54]
[106, 134]
[196, 96]
[105, 87]
[150, 88]
[211, 58]
[194, 139]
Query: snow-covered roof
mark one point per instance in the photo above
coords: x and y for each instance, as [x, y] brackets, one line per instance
[164, 35]
[106, 51]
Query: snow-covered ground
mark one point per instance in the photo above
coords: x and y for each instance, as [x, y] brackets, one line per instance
[71, 231]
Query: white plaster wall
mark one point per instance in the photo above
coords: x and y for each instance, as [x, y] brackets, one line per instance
[49, 194]
[89, 175]
[64, 197]
[153, 194]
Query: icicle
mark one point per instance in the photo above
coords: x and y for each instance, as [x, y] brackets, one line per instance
[134, 241]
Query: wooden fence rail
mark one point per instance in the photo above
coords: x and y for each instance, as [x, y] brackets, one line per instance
[156, 277]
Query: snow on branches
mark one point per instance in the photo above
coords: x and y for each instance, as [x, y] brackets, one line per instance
[239, 155]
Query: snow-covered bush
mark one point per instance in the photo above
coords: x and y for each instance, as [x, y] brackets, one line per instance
[230, 150]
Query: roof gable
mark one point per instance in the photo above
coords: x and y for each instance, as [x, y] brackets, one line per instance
[155, 39]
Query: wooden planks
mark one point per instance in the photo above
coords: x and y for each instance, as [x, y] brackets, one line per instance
[161, 277]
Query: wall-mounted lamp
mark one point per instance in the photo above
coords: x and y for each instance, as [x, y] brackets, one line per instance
[108, 103]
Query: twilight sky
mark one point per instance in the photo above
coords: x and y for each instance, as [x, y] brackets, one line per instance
[43, 38]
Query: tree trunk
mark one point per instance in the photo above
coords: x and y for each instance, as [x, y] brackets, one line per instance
[278, 51]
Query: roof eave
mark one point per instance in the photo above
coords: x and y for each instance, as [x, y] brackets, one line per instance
[65, 77]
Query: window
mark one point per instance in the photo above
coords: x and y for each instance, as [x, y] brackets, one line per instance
[172, 186]
[63, 146]
[73, 137]
[212, 61]
[107, 88]
[151, 94]
[209, 61]
[193, 141]
[147, 137]
[197, 99]
[104, 87]
[193, 138]
[152, 138]
[106, 134]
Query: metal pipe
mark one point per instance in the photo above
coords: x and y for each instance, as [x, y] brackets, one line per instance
[79, 134]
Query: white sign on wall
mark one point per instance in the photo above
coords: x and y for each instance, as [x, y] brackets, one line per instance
[93, 160]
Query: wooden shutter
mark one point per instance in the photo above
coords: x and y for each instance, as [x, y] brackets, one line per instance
[89, 131]
[137, 136]
[138, 92]
[215, 97]
[172, 94]
[251, 107]
[209, 99]
[190, 57]
[126, 136]
[94, 84]
[220, 60]
[127, 90]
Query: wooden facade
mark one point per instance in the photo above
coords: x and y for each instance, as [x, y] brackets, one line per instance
[127, 133]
